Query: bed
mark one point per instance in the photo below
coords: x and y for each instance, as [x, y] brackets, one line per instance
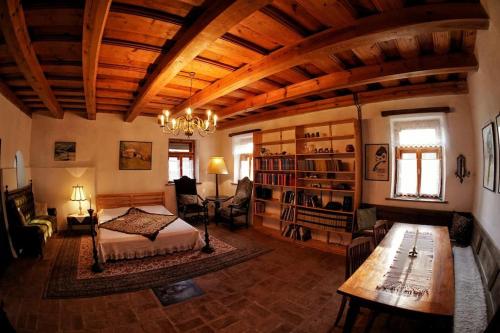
[114, 245]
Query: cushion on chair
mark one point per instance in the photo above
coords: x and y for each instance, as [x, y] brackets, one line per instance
[367, 218]
[243, 191]
[226, 212]
[188, 199]
[461, 229]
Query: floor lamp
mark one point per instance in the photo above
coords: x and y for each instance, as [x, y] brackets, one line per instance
[217, 166]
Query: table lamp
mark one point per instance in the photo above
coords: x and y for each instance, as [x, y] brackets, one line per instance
[78, 195]
[217, 166]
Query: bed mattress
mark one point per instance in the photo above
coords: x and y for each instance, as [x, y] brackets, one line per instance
[178, 236]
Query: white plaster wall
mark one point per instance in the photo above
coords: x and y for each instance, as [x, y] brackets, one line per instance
[15, 133]
[377, 130]
[484, 92]
[97, 144]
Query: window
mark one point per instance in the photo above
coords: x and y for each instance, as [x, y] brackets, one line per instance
[180, 159]
[243, 156]
[418, 167]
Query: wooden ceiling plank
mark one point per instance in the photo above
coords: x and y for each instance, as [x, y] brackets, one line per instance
[387, 26]
[12, 97]
[17, 38]
[95, 16]
[213, 23]
[386, 94]
[388, 71]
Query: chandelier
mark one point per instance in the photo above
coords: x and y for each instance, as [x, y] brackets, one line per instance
[188, 123]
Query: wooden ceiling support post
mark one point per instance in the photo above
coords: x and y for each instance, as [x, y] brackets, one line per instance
[15, 33]
[217, 19]
[94, 19]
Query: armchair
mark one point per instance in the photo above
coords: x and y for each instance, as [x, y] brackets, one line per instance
[239, 204]
[28, 231]
[190, 206]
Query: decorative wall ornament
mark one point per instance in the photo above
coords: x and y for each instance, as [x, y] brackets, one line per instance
[377, 162]
[135, 155]
[489, 157]
[462, 171]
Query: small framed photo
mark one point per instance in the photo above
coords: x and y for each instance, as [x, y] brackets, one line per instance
[377, 162]
[497, 119]
[135, 155]
[489, 157]
[64, 151]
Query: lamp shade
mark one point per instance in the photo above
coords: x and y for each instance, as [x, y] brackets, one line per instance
[78, 194]
[217, 166]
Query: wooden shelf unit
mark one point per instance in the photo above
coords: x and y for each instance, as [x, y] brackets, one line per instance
[334, 136]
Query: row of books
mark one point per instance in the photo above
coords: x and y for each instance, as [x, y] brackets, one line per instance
[320, 165]
[297, 232]
[288, 197]
[275, 179]
[308, 200]
[287, 213]
[275, 164]
[323, 220]
[260, 207]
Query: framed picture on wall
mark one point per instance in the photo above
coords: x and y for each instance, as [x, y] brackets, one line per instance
[377, 162]
[498, 143]
[64, 151]
[135, 155]
[489, 157]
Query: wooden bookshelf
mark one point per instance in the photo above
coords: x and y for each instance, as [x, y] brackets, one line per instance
[330, 168]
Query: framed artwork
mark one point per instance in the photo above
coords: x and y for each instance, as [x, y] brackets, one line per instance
[377, 162]
[135, 155]
[64, 151]
[498, 143]
[489, 157]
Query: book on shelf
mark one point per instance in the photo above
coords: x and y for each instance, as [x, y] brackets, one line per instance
[324, 220]
[310, 164]
[275, 164]
[287, 213]
[260, 207]
[275, 179]
[288, 197]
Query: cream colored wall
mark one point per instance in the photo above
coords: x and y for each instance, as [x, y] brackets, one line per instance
[15, 133]
[97, 144]
[484, 92]
[377, 130]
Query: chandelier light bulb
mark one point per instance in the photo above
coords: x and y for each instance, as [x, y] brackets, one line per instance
[215, 120]
[161, 119]
[189, 111]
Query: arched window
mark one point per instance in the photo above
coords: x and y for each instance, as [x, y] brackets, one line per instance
[20, 172]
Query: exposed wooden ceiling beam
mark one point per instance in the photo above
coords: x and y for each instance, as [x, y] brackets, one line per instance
[18, 41]
[387, 94]
[94, 19]
[394, 70]
[366, 31]
[11, 96]
[213, 23]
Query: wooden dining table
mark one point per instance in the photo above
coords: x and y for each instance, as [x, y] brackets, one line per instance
[392, 281]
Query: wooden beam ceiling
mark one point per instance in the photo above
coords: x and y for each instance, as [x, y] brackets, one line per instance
[212, 23]
[406, 22]
[394, 70]
[12, 97]
[15, 33]
[94, 20]
[386, 94]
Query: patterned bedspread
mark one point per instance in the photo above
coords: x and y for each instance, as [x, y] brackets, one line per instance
[139, 222]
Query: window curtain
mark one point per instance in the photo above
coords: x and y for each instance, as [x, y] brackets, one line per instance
[417, 132]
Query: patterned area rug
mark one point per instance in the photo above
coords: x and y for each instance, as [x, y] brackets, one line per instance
[71, 275]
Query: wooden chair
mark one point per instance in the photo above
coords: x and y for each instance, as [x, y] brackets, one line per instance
[357, 252]
[380, 229]
[238, 205]
[189, 203]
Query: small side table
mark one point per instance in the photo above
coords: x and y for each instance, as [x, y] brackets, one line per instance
[77, 220]
[217, 203]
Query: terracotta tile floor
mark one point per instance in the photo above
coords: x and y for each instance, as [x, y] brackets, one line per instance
[291, 289]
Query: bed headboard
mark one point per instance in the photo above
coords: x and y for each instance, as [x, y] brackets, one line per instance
[129, 199]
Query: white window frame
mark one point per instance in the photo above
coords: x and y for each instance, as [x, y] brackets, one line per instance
[242, 145]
